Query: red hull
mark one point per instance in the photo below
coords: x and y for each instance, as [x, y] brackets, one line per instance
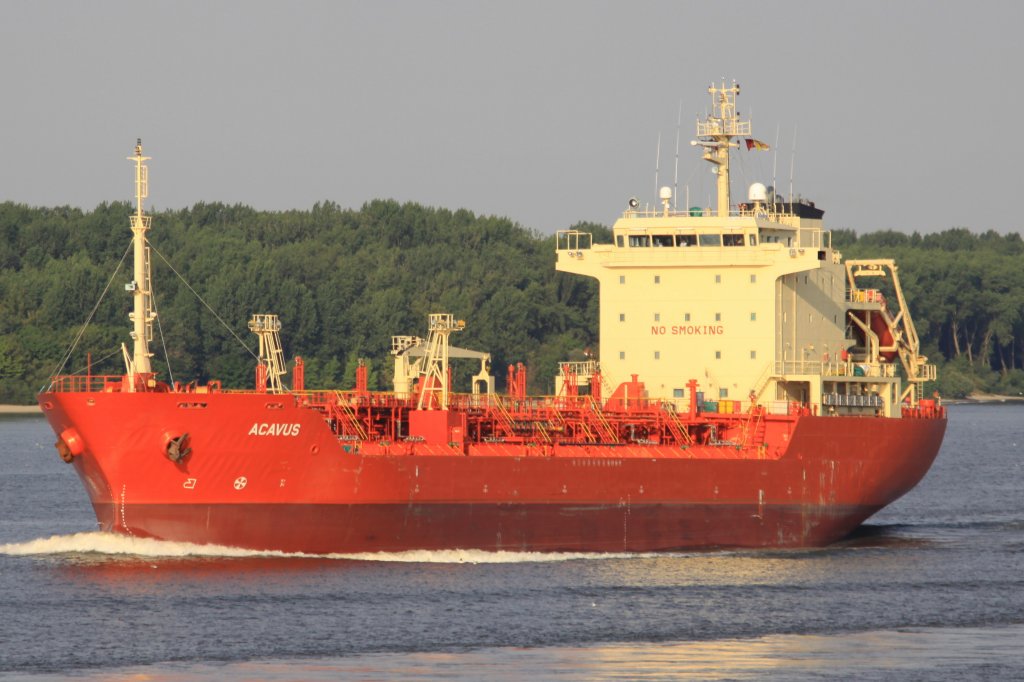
[360, 528]
[266, 473]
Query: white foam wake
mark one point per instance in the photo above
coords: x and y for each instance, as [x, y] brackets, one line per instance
[478, 556]
[97, 542]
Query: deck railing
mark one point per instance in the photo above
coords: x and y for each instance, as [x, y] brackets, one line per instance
[86, 383]
[836, 368]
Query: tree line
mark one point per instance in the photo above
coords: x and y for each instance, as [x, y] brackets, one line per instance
[966, 294]
[344, 281]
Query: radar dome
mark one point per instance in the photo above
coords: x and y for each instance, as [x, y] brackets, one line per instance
[758, 192]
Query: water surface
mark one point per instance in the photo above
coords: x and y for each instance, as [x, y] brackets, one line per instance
[930, 589]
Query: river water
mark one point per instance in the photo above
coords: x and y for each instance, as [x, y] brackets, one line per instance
[932, 588]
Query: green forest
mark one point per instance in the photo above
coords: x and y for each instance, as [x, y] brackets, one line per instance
[345, 281]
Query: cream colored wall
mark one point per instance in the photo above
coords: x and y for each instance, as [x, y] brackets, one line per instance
[692, 323]
[798, 301]
[647, 292]
[811, 321]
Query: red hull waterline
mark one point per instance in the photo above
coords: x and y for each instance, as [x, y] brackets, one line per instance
[267, 472]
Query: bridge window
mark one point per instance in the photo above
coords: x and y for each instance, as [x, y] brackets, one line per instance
[732, 240]
[686, 240]
[753, 240]
[618, 241]
[663, 240]
[710, 240]
[639, 240]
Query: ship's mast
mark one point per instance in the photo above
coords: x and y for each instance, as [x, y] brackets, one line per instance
[142, 314]
[434, 380]
[716, 132]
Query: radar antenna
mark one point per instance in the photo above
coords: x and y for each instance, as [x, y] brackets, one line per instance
[657, 165]
[675, 176]
[716, 132]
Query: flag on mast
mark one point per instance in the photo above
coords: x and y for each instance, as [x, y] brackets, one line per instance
[757, 144]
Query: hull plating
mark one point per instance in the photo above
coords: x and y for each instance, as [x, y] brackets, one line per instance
[351, 528]
[265, 473]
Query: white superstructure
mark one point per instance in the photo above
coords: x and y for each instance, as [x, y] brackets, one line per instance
[751, 300]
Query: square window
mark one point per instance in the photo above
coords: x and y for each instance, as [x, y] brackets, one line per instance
[678, 393]
[723, 393]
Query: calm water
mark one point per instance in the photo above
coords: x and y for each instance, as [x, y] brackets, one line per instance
[932, 588]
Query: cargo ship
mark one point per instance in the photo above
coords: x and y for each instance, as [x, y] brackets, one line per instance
[752, 389]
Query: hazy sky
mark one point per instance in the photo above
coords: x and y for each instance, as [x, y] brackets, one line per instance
[905, 115]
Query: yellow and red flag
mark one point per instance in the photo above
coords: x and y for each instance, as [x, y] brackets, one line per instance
[756, 144]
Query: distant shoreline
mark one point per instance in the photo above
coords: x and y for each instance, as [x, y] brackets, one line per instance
[20, 409]
[991, 398]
